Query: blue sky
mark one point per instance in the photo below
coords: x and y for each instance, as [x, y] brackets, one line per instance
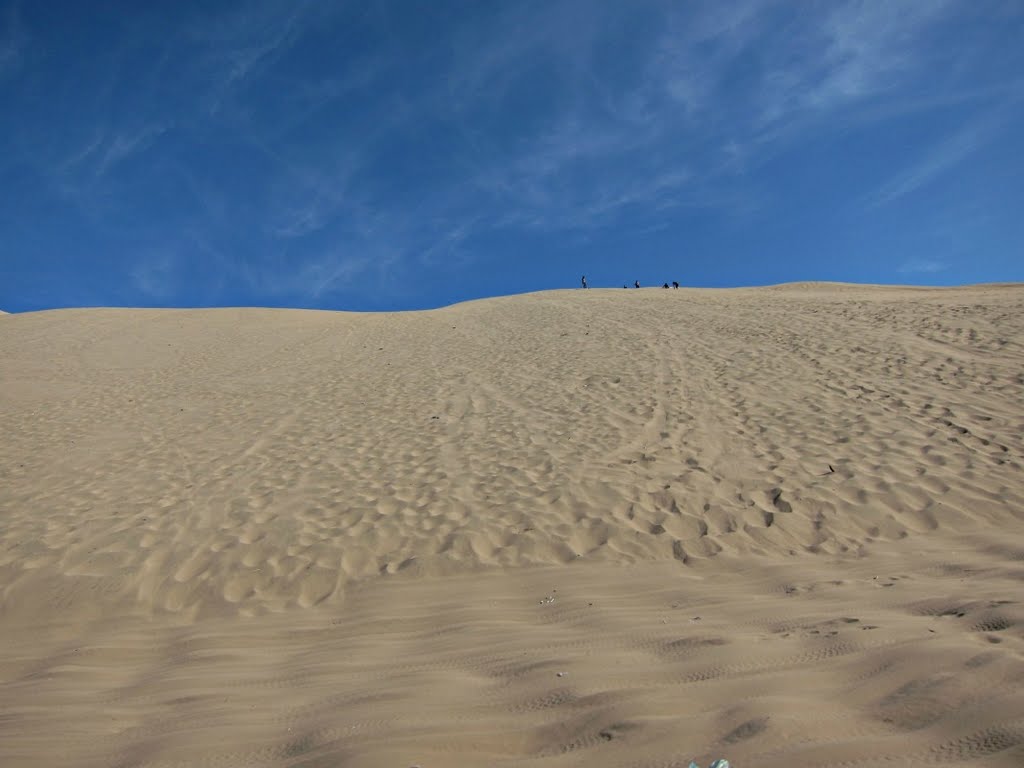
[401, 155]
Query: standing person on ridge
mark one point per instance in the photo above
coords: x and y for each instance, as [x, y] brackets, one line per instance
[636, 283]
[584, 281]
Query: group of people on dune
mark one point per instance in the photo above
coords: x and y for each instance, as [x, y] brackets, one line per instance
[636, 283]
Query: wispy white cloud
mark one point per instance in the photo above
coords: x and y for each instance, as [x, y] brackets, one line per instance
[691, 57]
[307, 197]
[683, 126]
[331, 272]
[237, 44]
[121, 146]
[87, 177]
[447, 247]
[919, 266]
[491, 55]
[309, 277]
[307, 101]
[852, 62]
[154, 273]
[14, 40]
[939, 159]
[870, 47]
[79, 156]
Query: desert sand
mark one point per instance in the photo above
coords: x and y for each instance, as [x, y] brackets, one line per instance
[784, 526]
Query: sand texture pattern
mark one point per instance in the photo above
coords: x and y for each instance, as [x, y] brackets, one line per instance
[605, 528]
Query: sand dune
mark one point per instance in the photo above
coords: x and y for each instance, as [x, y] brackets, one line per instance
[781, 525]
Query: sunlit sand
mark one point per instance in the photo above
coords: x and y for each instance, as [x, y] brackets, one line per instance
[575, 528]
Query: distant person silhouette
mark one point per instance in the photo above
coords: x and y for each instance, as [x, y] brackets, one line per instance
[675, 284]
[584, 280]
[665, 285]
[636, 283]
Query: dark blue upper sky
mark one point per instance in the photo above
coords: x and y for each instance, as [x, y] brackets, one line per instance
[400, 155]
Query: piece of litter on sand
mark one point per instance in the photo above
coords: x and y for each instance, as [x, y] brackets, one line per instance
[561, 674]
[720, 763]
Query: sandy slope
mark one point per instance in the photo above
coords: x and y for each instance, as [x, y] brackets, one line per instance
[781, 525]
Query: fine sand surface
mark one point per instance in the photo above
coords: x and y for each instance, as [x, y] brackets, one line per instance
[576, 528]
